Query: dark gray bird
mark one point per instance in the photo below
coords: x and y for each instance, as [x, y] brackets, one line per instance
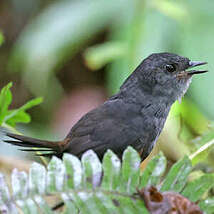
[134, 116]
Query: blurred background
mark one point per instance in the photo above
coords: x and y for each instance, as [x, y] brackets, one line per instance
[76, 53]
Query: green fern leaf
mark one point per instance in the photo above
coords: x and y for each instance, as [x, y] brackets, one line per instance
[89, 186]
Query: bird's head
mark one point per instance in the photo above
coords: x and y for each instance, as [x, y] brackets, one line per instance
[169, 73]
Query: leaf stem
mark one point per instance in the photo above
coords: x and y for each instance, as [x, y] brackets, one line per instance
[201, 149]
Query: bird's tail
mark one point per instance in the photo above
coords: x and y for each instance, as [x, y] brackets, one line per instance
[33, 145]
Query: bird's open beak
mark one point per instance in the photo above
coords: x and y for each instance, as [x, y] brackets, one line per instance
[193, 64]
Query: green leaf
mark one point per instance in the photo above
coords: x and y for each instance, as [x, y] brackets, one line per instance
[192, 115]
[154, 170]
[130, 170]
[43, 205]
[37, 179]
[6, 204]
[95, 205]
[11, 117]
[73, 170]
[20, 190]
[55, 175]
[70, 206]
[202, 153]
[207, 205]
[126, 205]
[89, 202]
[177, 176]
[5, 101]
[1, 38]
[4, 191]
[111, 171]
[86, 188]
[28, 206]
[81, 199]
[195, 189]
[107, 200]
[92, 169]
[19, 184]
[98, 56]
[19, 115]
[174, 10]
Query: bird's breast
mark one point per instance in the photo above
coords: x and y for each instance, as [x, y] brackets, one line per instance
[153, 117]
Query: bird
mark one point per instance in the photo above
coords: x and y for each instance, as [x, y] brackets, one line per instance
[134, 116]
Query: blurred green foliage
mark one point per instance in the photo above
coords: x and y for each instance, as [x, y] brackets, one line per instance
[19, 115]
[133, 30]
[136, 28]
[1, 38]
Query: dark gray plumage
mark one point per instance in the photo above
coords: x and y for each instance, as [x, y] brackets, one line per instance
[134, 116]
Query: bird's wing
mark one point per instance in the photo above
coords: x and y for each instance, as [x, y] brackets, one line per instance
[101, 129]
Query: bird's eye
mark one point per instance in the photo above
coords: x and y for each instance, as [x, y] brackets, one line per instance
[170, 68]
